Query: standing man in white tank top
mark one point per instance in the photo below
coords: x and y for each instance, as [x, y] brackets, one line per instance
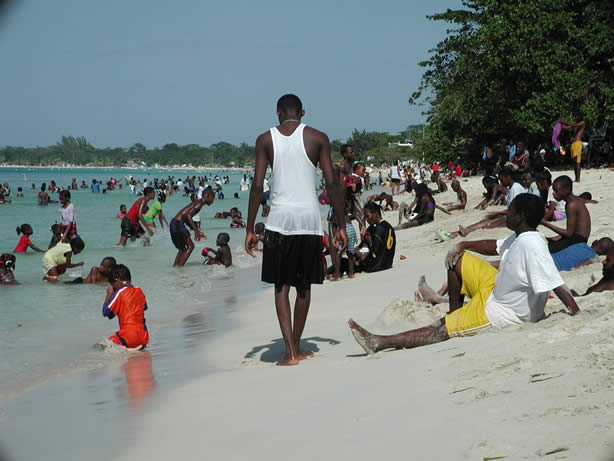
[292, 254]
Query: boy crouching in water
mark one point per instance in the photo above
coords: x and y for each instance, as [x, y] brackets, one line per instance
[129, 304]
[222, 256]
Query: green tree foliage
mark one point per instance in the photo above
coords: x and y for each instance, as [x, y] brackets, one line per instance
[78, 151]
[508, 69]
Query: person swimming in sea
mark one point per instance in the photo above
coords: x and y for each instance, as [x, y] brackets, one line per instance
[98, 274]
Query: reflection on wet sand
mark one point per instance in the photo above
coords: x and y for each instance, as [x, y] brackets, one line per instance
[140, 382]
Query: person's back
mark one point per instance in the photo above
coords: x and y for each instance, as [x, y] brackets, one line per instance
[294, 205]
[383, 246]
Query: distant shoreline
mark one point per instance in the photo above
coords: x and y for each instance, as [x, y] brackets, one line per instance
[84, 167]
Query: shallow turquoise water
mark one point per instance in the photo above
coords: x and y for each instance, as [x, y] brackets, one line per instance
[48, 330]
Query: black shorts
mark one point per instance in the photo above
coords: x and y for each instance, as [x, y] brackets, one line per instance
[294, 260]
[128, 230]
[395, 180]
[179, 235]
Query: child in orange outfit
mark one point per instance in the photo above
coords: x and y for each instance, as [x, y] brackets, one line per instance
[129, 304]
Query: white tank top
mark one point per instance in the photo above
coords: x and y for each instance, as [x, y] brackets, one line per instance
[294, 205]
[394, 172]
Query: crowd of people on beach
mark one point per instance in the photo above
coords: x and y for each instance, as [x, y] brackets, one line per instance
[136, 222]
[294, 244]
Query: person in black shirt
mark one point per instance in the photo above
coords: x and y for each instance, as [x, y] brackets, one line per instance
[380, 240]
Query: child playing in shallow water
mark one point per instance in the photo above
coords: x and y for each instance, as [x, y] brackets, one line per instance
[7, 264]
[98, 274]
[129, 304]
[58, 259]
[24, 241]
[222, 256]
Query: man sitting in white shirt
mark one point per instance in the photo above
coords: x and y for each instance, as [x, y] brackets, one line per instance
[517, 292]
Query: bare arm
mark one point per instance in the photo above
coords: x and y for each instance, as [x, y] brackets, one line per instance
[566, 298]
[255, 193]
[572, 217]
[68, 258]
[334, 188]
[35, 248]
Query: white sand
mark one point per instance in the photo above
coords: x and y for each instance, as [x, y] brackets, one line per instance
[518, 393]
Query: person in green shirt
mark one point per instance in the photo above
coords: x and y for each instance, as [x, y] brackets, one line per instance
[156, 210]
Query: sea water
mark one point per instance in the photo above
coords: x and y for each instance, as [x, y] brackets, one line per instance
[48, 330]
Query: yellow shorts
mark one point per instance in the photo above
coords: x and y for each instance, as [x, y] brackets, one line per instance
[478, 282]
[576, 151]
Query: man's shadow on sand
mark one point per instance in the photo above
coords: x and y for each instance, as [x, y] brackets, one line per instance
[274, 351]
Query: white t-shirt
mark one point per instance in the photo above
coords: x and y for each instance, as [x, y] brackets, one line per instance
[526, 275]
[533, 189]
[68, 214]
[512, 192]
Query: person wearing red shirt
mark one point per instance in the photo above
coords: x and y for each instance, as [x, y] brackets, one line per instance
[129, 304]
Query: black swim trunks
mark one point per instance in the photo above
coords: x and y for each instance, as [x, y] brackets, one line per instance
[128, 229]
[179, 234]
[294, 260]
[554, 246]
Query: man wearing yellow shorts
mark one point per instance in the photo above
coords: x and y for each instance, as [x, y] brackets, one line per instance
[515, 293]
[576, 145]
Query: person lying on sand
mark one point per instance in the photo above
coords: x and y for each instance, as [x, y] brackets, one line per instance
[607, 281]
[602, 245]
[515, 293]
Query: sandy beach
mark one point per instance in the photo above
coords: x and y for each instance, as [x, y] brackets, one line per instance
[538, 390]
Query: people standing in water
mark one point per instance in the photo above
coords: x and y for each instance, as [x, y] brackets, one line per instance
[129, 304]
[131, 223]
[43, 196]
[24, 241]
[292, 255]
[180, 235]
[68, 217]
[156, 210]
[122, 211]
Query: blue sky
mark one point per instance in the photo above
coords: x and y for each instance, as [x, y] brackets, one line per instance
[196, 71]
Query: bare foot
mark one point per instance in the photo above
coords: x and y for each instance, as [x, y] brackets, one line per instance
[365, 339]
[302, 355]
[287, 362]
[463, 231]
[428, 294]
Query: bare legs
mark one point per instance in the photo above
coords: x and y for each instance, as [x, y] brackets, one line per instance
[577, 169]
[292, 335]
[371, 343]
[182, 256]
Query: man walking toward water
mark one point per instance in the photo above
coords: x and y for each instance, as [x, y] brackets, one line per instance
[292, 253]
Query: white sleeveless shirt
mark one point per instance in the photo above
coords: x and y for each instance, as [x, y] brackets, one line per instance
[294, 205]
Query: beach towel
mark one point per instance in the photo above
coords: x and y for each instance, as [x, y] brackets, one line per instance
[570, 257]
